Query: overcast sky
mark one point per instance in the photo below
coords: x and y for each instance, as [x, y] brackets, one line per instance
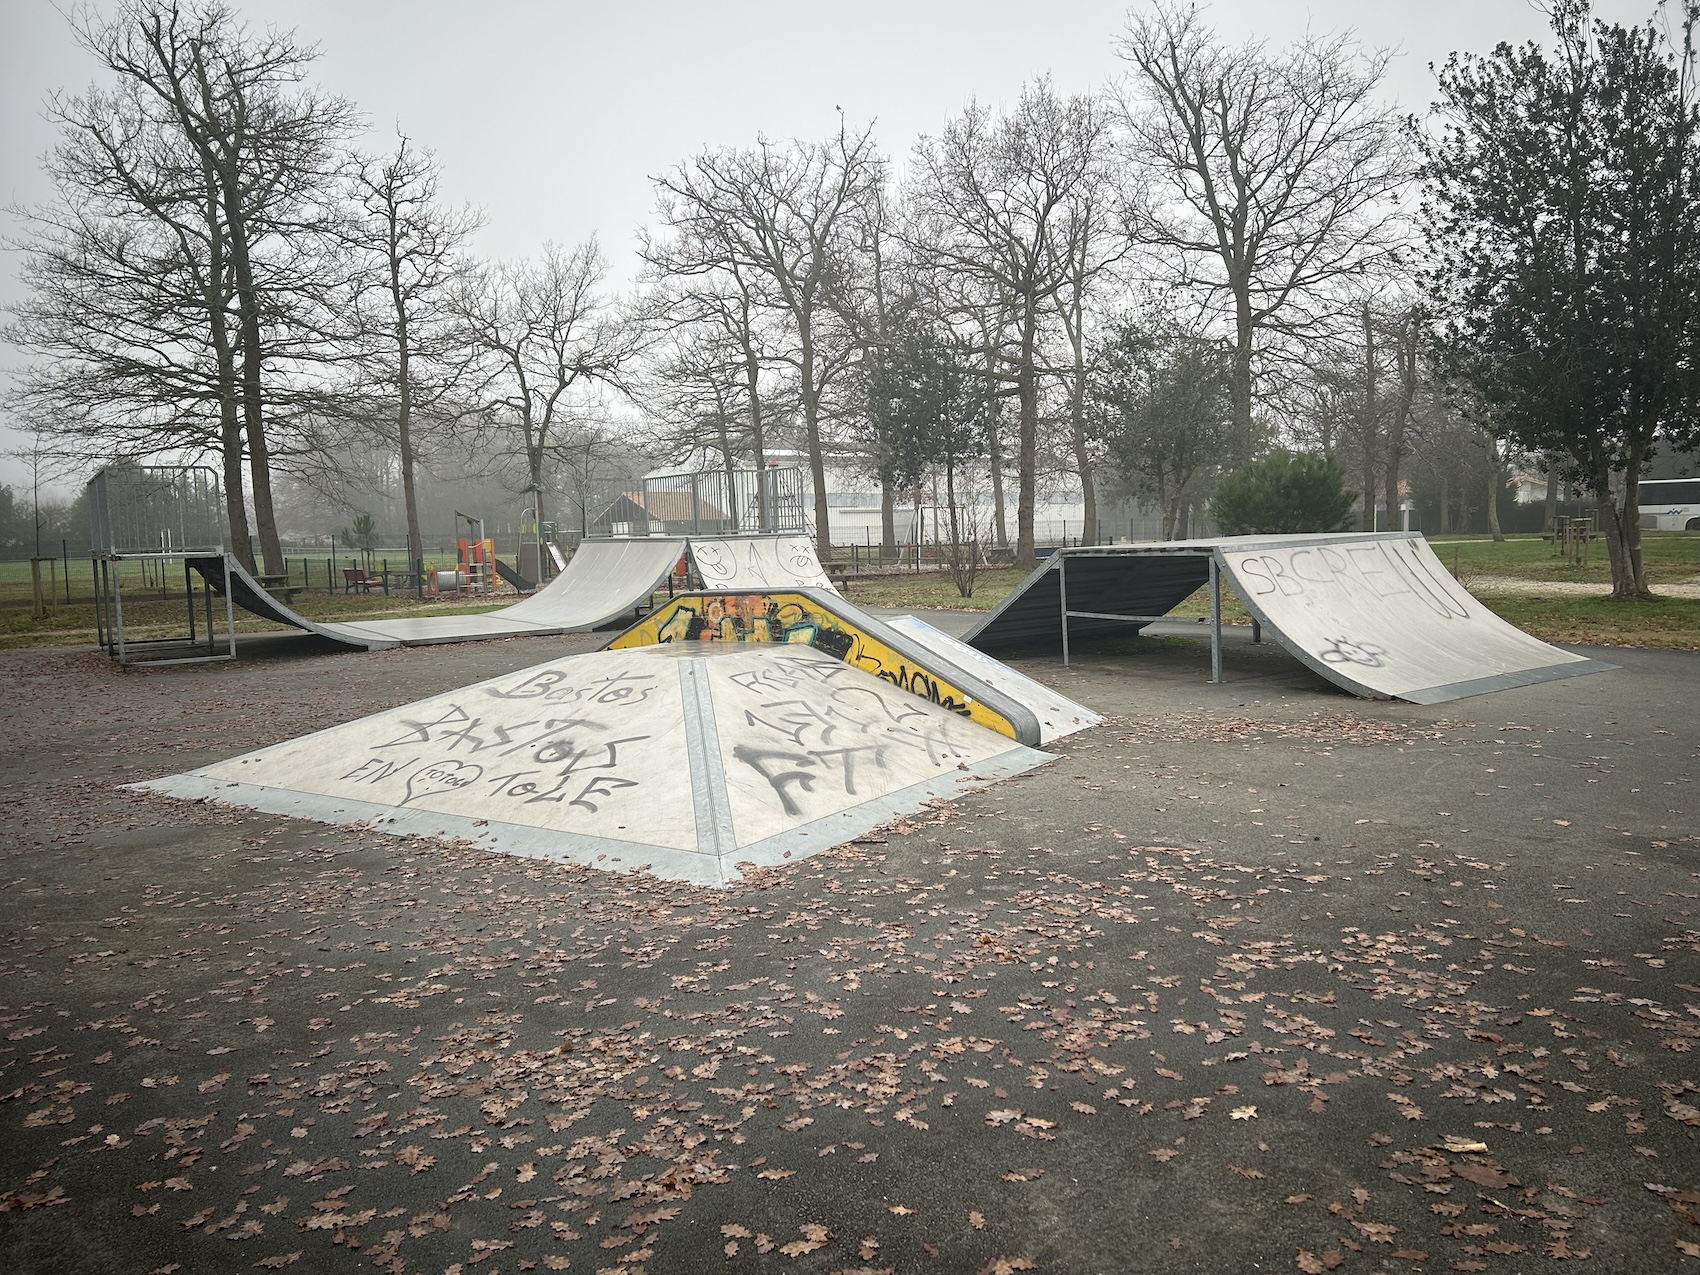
[553, 116]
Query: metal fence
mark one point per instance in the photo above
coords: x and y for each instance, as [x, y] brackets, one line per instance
[155, 509]
[711, 502]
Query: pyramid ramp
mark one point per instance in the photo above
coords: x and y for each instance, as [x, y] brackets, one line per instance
[687, 761]
[826, 622]
[1058, 716]
[759, 562]
[1375, 613]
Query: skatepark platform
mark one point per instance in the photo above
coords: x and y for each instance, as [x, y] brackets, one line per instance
[1375, 613]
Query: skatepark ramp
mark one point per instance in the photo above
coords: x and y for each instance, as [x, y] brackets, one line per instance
[758, 562]
[973, 686]
[603, 581]
[689, 760]
[1375, 613]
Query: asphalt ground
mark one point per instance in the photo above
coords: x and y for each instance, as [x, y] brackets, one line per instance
[1252, 977]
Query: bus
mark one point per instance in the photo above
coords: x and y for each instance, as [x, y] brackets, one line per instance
[1670, 504]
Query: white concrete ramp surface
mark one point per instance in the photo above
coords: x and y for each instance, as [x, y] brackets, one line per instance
[685, 760]
[759, 562]
[1375, 613]
[1058, 715]
[602, 582]
[1381, 616]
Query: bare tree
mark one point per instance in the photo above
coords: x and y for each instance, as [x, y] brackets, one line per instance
[546, 336]
[1272, 177]
[1160, 404]
[777, 216]
[991, 196]
[202, 186]
[709, 297]
[411, 247]
[1090, 243]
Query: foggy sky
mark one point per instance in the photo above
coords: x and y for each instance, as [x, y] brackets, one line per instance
[553, 117]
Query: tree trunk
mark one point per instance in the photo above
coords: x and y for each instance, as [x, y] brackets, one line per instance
[404, 419]
[1077, 437]
[1445, 506]
[1370, 437]
[253, 399]
[758, 439]
[1027, 384]
[888, 518]
[1240, 386]
[817, 459]
[1496, 481]
[1406, 352]
[994, 452]
[235, 508]
[1549, 518]
[1629, 523]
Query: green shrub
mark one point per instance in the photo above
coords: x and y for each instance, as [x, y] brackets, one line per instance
[1287, 492]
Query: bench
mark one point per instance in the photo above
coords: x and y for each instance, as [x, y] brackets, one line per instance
[355, 579]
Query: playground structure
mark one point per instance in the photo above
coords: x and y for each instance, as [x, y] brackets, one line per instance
[1375, 613]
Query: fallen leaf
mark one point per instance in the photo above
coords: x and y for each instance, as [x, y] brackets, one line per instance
[278, 1261]
[977, 1221]
[1243, 1113]
[1008, 1265]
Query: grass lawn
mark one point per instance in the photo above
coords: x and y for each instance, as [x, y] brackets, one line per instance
[148, 615]
[1670, 623]
[1670, 557]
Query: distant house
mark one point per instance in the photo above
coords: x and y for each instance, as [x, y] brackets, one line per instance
[674, 513]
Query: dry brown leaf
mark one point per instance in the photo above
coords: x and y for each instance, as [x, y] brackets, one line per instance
[278, 1261]
[1008, 1266]
[1243, 1113]
[977, 1220]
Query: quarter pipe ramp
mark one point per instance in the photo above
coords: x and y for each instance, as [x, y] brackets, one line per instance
[1377, 614]
[603, 581]
[759, 562]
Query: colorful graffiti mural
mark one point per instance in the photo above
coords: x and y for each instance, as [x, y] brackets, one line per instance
[784, 617]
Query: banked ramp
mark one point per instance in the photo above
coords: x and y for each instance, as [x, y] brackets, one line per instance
[972, 685]
[603, 581]
[1377, 614]
[688, 760]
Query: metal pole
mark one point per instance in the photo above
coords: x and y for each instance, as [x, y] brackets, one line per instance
[1256, 630]
[118, 608]
[1062, 594]
[189, 599]
[229, 609]
[1215, 621]
[99, 603]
